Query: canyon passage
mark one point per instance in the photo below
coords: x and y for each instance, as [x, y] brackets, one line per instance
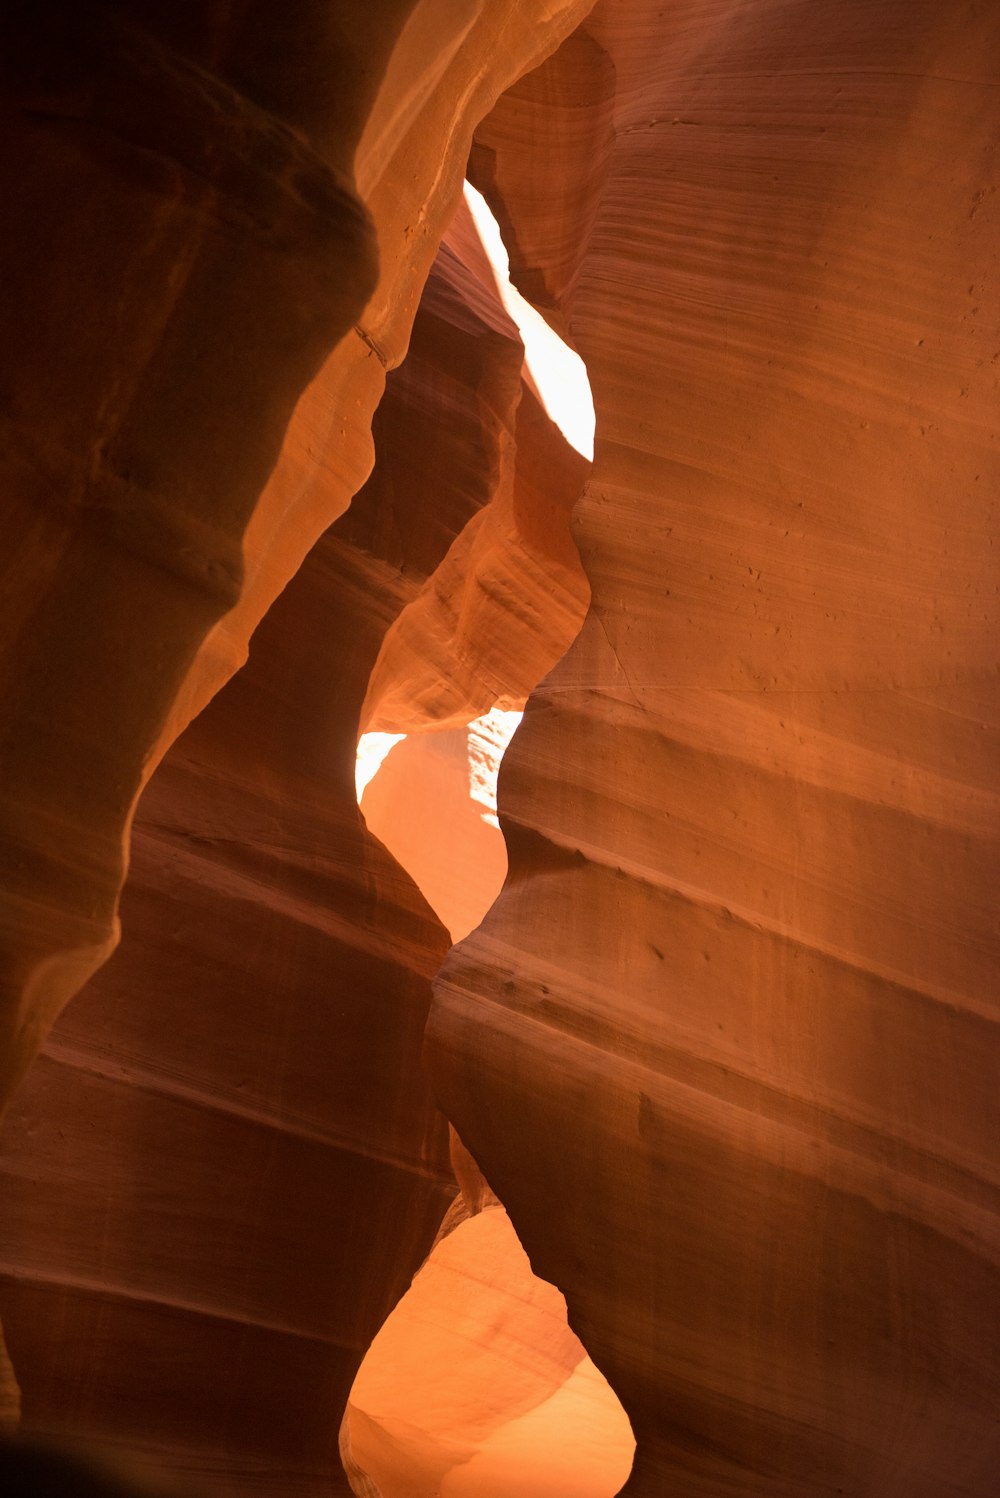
[641, 1135]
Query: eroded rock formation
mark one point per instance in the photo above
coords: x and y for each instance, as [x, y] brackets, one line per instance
[221, 219]
[483, 1386]
[225, 1166]
[197, 191]
[726, 1045]
[737, 1002]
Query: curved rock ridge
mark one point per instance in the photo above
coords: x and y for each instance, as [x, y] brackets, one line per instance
[510, 594]
[225, 1166]
[499, 611]
[157, 206]
[554, 193]
[726, 1046]
[197, 329]
[188, 183]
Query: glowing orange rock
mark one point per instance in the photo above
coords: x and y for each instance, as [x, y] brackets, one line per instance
[477, 1388]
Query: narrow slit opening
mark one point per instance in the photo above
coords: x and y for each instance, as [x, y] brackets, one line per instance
[476, 1384]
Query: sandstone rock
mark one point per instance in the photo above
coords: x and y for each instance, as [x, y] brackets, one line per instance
[737, 998]
[726, 1046]
[195, 249]
[193, 199]
[484, 1387]
[225, 1167]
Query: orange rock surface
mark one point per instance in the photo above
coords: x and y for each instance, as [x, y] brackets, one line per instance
[198, 333]
[225, 1166]
[219, 226]
[726, 1045]
[477, 1386]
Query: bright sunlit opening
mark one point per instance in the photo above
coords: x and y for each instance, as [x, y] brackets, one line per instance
[476, 1386]
[486, 743]
[488, 740]
[372, 750]
[431, 798]
[558, 374]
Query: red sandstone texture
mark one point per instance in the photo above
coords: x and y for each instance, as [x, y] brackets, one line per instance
[737, 1004]
[726, 1046]
[220, 222]
[226, 220]
[225, 1166]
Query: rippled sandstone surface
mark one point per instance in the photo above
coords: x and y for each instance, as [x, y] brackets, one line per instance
[726, 1046]
[226, 1165]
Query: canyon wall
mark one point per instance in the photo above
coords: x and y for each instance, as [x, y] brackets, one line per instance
[726, 1047]
[225, 1165]
[225, 223]
[220, 221]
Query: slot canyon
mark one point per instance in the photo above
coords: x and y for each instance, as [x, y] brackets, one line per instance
[375, 1123]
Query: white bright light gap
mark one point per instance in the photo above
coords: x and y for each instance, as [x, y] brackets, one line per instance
[372, 750]
[559, 374]
[560, 380]
[487, 741]
[487, 744]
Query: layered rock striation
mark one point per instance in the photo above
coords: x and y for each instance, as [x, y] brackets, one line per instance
[201, 196]
[224, 220]
[225, 1165]
[727, 1044]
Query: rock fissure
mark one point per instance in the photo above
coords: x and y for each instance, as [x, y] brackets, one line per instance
[370, 342]
[495, 1410]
